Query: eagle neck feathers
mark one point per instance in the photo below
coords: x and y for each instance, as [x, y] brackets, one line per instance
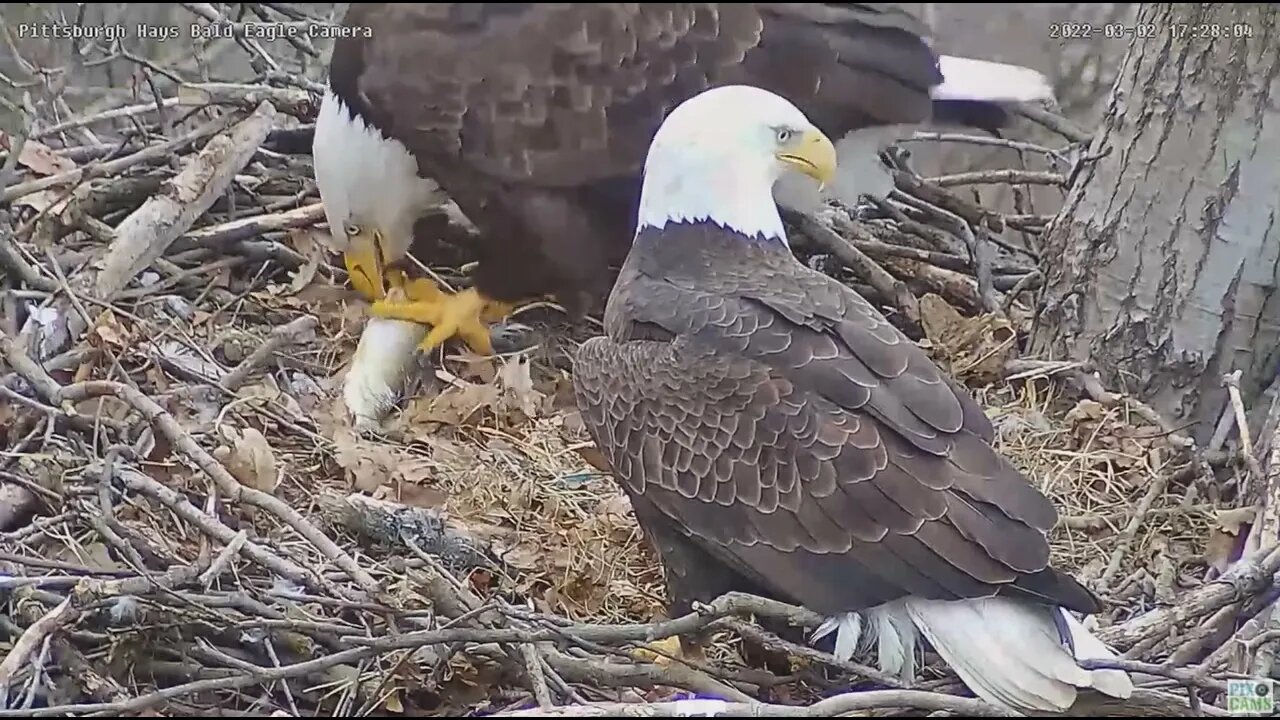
[688, 190]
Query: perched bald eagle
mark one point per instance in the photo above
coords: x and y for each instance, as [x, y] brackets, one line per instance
[535, 118]
[776, 435]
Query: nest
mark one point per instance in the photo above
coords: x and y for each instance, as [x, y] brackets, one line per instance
[191, 525]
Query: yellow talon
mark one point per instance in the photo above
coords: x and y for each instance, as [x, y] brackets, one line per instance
[466, 314]
[668, 648]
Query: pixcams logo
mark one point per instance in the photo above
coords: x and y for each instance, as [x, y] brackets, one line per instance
[1250, 696]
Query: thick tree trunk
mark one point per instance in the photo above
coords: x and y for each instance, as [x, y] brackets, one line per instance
[1164, 263]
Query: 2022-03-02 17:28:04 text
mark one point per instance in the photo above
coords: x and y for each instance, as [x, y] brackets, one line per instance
[1126, 31]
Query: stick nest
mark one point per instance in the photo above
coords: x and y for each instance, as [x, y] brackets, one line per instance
[191, 525]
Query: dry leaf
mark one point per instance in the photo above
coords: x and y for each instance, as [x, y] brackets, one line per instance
[108, 330]
[1219, 549]
[178, 354]
[44, 201]
[40, 158]
[249, 457]
[94, 555]
[618, 506]
[1230, 521]
[413, 486]
[1227, 535]
[269, 390]
[369, 465]
[525, 556]
[419, 471]
[939, 319]
[457, 404]
[594, 457]
[478, 369]
[1085, 410]
[392, 702]
[306, 244]
[412, 494]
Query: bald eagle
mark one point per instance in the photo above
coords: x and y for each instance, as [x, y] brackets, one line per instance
[535, 118]
[777, 435]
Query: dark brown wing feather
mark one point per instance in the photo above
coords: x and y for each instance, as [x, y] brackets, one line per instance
[536, 117]
[775, 419]
[559, 94]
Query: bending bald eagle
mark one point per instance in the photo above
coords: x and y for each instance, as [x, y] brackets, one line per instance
[776, 435]
[535, 118]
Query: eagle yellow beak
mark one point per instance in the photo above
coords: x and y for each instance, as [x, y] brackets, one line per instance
[812, 154]
[364, 262]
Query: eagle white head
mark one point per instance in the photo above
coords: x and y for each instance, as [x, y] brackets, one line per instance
[371, 191]
[717, 156]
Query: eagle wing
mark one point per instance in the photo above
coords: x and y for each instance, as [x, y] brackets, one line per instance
[785, 427]
[562, 94]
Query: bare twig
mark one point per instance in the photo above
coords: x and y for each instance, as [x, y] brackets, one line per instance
[1156, 489]
[1247, 577]
[839, 705]
[227, 484]
[1232, 381]
[921, 136]
[1003, 177]
[147, 233]
[537, 679]
[224, 558]
[1054, 122]
[33, 638]
[17, 142]
[630, 674]
[280, 337]
[111, 167]
[249, 227]
[30, 370]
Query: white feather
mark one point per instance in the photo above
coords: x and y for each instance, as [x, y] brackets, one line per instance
[376, 378]
[1009, 652]
[896, 640]
[848, 630]
[368, 178]
[888, 627]
[969, 79]
[703, 164]
[1089, 647]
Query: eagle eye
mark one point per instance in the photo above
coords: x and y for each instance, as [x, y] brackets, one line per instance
[784, 135]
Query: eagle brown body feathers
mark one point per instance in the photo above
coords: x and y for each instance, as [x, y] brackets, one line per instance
[772, 415]
[535, 117]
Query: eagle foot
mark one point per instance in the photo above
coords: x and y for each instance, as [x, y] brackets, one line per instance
[661, 652]
[466, 315]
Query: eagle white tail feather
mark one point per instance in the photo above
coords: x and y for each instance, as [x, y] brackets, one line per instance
[1089, 647]
[888, 627]
[1008, 652]
[969, 79]
[897, 641]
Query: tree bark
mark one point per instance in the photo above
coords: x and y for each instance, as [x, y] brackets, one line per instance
[1164, 262]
